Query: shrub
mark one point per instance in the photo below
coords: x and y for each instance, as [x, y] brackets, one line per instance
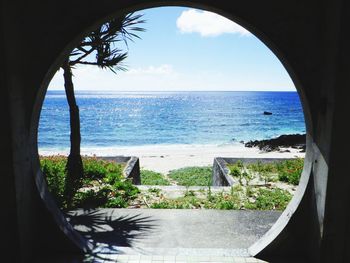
[235, 171]
[91, 198]
[53, 168]
[289, 171]
[126, 189]
[94, 168]
[101, 169]
[110, 187]
[116, 202]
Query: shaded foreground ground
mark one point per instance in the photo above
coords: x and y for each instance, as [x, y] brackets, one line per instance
[173, 232]
[160, 236]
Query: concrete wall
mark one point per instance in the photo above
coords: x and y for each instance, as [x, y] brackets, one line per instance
[221, 173]
[132, 170]
[311, 38]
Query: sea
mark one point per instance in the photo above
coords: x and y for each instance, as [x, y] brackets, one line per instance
[121, 119]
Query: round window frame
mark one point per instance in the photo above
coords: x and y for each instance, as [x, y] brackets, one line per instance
[85, 245]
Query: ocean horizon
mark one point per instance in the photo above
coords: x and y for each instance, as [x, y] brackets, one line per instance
[112, 119]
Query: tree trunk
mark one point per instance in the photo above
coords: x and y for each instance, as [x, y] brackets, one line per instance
[74, 167]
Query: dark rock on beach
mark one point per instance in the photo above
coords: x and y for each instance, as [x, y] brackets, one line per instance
[296, 141]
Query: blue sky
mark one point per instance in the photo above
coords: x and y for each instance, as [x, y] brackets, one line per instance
[189, 49]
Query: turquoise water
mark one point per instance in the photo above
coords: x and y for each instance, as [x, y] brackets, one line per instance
[110, 119]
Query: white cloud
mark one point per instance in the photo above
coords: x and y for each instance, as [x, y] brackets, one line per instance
[152, 70]
[207, 24]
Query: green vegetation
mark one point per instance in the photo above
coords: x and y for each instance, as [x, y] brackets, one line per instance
[54, 170]
[257, 189]
[288, 171]
[269, 199]
[153, 178]
[103, 183]
[237, 198]
[188, 176]
[192, 176]
[261, 167]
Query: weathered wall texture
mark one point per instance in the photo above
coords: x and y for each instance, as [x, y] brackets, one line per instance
[220, 175]
[310, 37]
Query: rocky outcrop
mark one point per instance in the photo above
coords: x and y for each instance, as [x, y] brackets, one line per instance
[296, 141]
[267, 113]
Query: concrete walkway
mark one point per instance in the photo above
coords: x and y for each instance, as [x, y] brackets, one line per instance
[170, 235]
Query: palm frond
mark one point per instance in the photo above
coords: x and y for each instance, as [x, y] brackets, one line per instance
[103, 43]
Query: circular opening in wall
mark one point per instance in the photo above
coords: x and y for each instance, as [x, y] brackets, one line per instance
[164, 110]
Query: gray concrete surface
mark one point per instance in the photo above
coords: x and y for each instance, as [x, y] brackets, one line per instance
[173, 231]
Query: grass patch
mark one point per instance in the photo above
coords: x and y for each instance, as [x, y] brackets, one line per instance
[103, 183]
[192, 176]
[153, 178]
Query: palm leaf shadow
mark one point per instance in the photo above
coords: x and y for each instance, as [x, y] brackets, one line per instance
[109, 229]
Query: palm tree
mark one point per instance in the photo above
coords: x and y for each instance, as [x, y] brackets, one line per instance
[99, 49]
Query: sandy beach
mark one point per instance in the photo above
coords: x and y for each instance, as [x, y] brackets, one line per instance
[163, 158]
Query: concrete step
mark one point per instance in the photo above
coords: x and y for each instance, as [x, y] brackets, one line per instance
[121, 258]
[127, 258]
